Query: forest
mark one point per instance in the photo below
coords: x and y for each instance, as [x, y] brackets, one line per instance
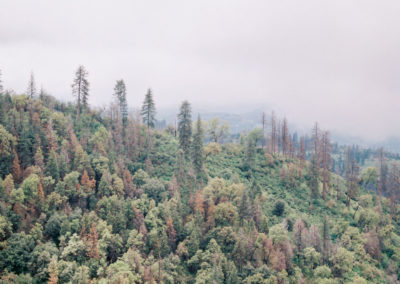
[104, 195]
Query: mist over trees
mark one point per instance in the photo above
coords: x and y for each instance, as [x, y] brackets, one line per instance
[106, 196]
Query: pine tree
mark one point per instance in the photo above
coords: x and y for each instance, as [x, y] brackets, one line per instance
[1, 84]
[52, 166]
[16, 168]
[185, 127]
[93, 239]
[149, 110]
[120, 96]
[314, 179]
[31, 91]
[198, 158]
[53, 271]
[273, 143]
[285, 137]
[263, 123]
[352, 177]
[326, 162]
[39, 158]
[326, 238]
[2, 103]
[80, 88]
[26, 143]
[250, 157]
[40, 191]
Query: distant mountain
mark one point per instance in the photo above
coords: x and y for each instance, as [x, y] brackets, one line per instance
[249, 119]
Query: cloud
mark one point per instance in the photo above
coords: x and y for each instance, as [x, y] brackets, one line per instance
[332, 61]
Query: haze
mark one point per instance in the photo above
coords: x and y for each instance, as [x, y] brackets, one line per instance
[336, 62]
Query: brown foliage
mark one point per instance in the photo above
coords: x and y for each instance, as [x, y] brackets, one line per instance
[40, 191]
[16, 169]
[87, 183]
[171, 232]
[372, 244]
[93, 239]
[128, 184]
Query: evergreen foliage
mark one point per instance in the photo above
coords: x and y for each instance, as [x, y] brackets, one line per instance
[149, 110]
[81, 203]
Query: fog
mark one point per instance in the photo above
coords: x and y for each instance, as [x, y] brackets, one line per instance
[336, 62]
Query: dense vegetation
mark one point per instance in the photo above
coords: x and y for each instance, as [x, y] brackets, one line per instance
[100, 196]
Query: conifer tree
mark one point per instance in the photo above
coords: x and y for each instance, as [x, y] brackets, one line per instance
[93, 240]
[1, 83]
[16, 168]
[80, 88]
[120, 96]
[285, 137]
[39, 158]
[326, 162]
[31, 91]
[26, 143]
[352, 177]
[263, 123]
[53, 270]
[314, 179]
[325, 239]
[149, 110]
[185, 127]
[198, 159]
[273, 143]
[250, 157]
[52, 166]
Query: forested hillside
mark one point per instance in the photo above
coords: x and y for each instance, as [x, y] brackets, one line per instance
[101, 196]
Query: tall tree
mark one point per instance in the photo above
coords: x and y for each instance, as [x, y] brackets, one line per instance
[16, 168]
[302, 154]
[352, 177]
[38, 158]
[315, 163]
[316, 140]
[198, 137]
[31, 91]
[285, 137]
[313, 182]
[149, 110]
[1, 83]
[52, 166]
[263, 123]
[80, 88]
[185, 127]
[394, 189]
[120, 96]
[326, 161]
[382, 178]
[326, 239]
[273, 143]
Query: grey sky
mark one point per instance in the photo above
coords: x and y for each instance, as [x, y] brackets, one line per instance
[337, 62]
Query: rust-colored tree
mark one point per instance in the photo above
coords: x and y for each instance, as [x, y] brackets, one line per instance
[93, 239]
[41, 191]
[87, 183]
[16, 169]
[171, 232]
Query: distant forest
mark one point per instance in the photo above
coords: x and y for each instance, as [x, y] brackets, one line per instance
[111, 195]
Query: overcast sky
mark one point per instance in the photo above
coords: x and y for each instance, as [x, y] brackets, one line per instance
[337, 62]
